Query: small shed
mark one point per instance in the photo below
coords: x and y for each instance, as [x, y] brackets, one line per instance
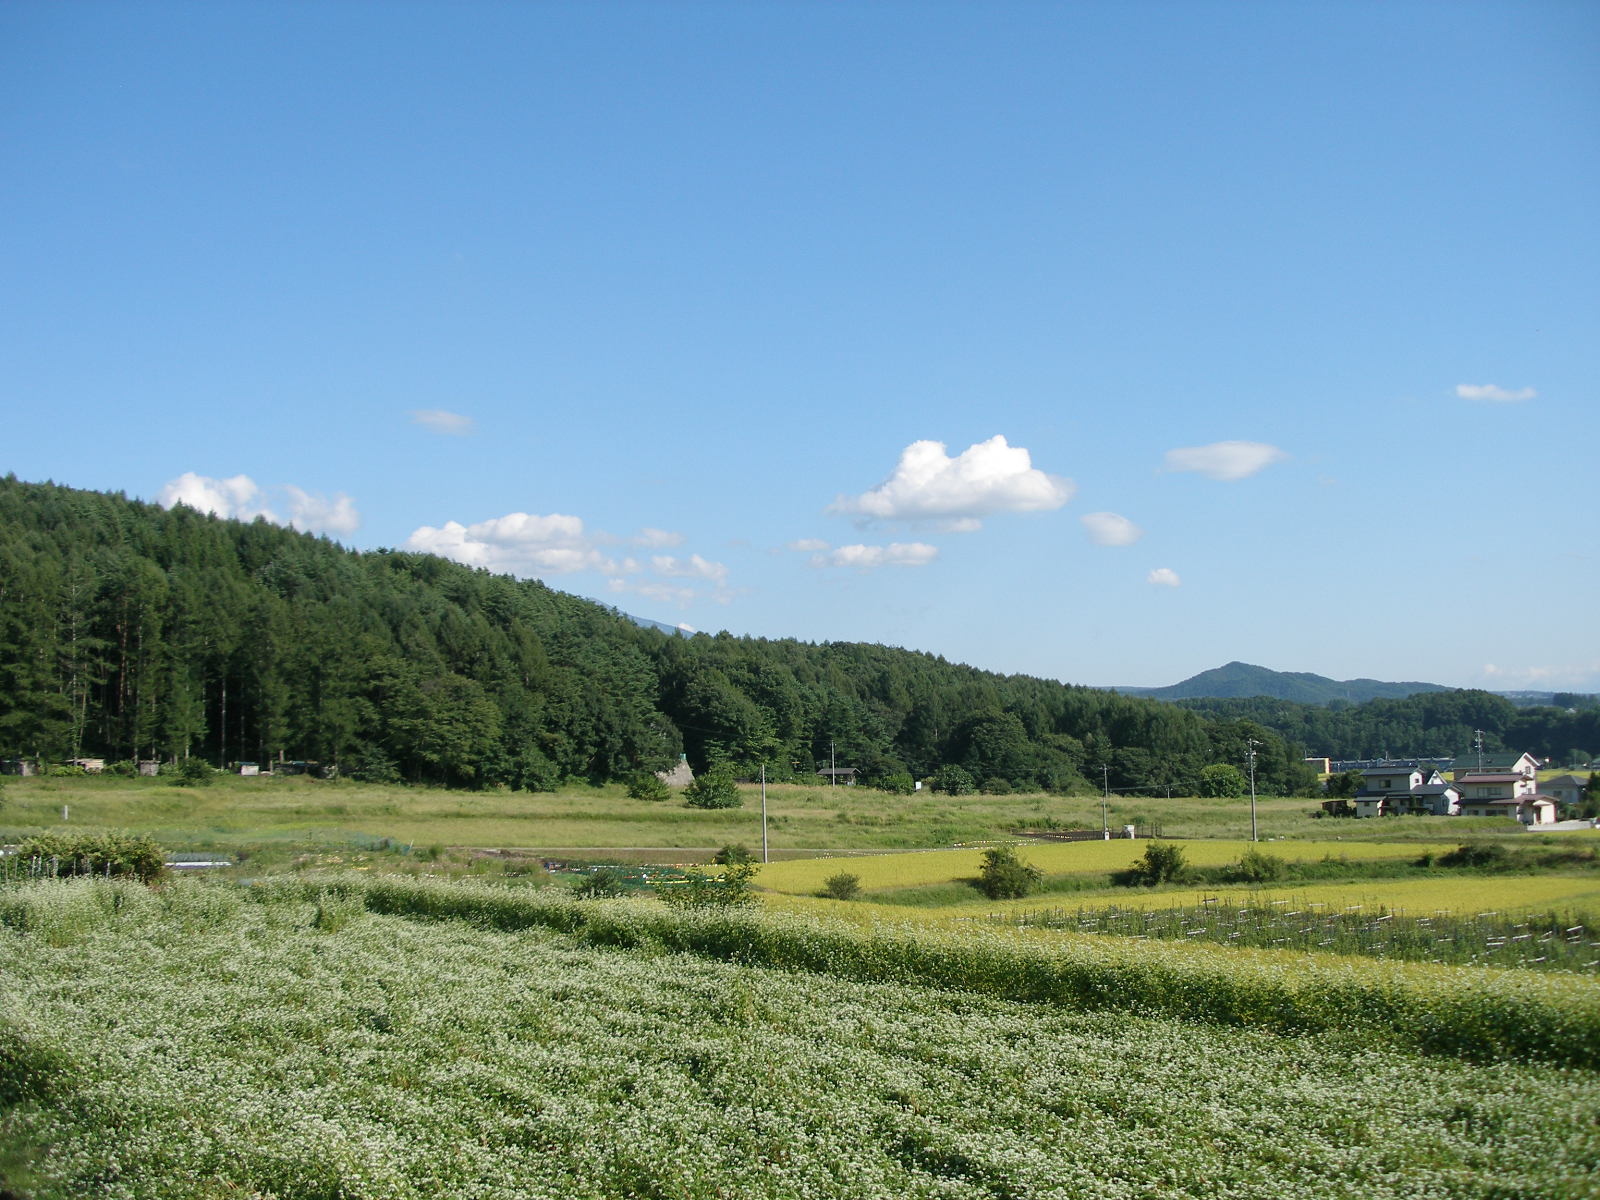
[838, 775]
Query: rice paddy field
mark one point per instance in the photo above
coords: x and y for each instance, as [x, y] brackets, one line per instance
[806, 877]
[368, 1038]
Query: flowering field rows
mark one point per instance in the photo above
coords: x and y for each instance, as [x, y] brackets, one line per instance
[204, 1042]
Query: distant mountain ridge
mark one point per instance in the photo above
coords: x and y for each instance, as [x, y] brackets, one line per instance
[1239, 680]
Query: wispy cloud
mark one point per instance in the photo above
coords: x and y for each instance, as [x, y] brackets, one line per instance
[533, 545]
[312, 511]
[808, 545]
[1224, 460]
[1163, 577]
[439, 421]
[240, 498]
[987, 478]
[517, 543]
[1488, 393]
[1110, 529]
[866, 558]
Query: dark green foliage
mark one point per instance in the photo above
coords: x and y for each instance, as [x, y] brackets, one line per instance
[1004, 876]
[646, 785]
[371, 765]
[731, 889]
[1255, 867]
[901, 784]
[601, 883]
[953, 780]
[194, 772]
[91, 853]
[843, 886]
[1478, 856]
[1163, 862]
[1345, 784]
[1222, 779]
[733, 854]
[713, 789]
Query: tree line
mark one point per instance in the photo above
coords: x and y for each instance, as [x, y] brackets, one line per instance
[1427, 725]
[129, 631]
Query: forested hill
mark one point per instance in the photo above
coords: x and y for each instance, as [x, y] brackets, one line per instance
[1434, 724]
[130, 631]
[1239, 680]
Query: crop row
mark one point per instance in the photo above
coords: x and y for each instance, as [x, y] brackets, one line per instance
[1441, 1010]
[1547, 942]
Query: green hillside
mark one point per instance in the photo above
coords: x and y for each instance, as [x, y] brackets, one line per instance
[132, 632]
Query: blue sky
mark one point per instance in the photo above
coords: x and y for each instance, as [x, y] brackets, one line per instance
[1101, 342]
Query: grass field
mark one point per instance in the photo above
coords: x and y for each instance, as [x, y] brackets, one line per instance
[802, 821]
[319, 1049]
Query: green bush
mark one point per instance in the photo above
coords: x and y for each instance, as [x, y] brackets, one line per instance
[733, 854]
[714, 789]
[193, 772]
[92, 853]
[899, 784]
[648, 786]
[1256, 867]
[1004, 876]
[953, 780]
[601, 883]
[843, 886]
[731, 889]
[1483, 856]
[1163, 862]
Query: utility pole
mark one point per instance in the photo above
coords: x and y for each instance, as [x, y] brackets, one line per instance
[1250, 750]
[1477, 742]
[833, 766]
[1105, 801]
[764, 857]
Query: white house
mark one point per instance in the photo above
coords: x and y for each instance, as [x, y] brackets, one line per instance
[1406, 789]
[1529, 810]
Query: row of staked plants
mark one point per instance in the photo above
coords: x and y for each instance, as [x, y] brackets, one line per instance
[1547, 942]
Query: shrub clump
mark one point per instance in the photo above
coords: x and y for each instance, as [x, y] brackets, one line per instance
[731, 889]
[648, 786]
[1484, 856]
[714, 789]
[1255, 867]
[600, 884]
[1004, 876]
[843, 886]
[1162, 863]
[103, 853]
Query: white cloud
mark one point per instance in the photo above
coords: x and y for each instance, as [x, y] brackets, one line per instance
[529, 545]
[517, 544]
[986, 478]
[1491, 394]
[1109, 529]
[237, 498]
[1224, 460]
[1163, 577]
[439, 421]
[657, 538]
[808, 545]
[693, 567]
[240, 498]
[317, 512]
[865, 558]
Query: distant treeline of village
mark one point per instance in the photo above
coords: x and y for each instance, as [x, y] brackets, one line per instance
[129, 632]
